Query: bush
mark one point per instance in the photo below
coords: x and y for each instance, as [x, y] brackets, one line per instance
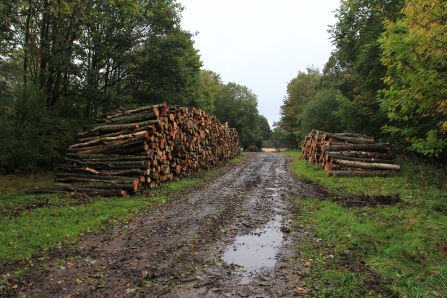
[32, 137]
[320, 113]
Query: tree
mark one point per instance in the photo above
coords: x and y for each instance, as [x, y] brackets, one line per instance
[278, 138]
[320, 113]
[238, 106]
[300, 92]
[355, 35]
[210, 82]
[264, 127]
[415, 52]
[62, 63]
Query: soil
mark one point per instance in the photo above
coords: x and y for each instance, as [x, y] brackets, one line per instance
[233, 235]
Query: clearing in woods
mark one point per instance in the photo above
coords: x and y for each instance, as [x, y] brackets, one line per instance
[233, 234]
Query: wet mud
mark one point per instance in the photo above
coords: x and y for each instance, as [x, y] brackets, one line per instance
[233, 235]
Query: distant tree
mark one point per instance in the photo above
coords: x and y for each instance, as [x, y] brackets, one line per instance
[278, 138]
[238, 106]
[264, 127]
[320, 113]
[415, 52]
[300, 91]
[210, 82]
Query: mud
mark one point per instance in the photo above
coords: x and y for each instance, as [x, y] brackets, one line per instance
[234, 235]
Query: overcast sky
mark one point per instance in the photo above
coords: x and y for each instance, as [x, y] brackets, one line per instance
[261, 44]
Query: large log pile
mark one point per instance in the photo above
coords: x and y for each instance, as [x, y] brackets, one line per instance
[348, 154]
[130, 150]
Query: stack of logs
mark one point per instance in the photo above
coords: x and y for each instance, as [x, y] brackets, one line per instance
[131, 150]
[348, 154]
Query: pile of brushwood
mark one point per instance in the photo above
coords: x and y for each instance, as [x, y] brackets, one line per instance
[348, 154]
[131, 150]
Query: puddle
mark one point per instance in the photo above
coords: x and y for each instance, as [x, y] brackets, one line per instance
[256, 251]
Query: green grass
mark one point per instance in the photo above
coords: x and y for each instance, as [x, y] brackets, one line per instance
[33, 224]
[237, 159]
[404, 245]
[59, 223]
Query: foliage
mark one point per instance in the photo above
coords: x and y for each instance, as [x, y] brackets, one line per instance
[264, 127]
[355, 35]
[377, 251]
[238, 106]
[36, 138]
[415, 52]
[277, 138]
[320, 113]
[210, 82]
[300, 92]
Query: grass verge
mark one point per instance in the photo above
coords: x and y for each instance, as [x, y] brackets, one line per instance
[396, 250]
[33, 224]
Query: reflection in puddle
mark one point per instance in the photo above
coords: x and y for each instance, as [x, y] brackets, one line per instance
[256, 251]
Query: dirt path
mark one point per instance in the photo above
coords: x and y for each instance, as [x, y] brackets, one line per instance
[233, 235]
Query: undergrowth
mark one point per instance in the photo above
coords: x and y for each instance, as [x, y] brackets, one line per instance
[396, 250]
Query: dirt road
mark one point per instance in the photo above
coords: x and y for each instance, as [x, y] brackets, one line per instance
[233, 235]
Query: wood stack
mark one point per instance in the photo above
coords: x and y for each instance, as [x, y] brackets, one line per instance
[348, 154]
[130, 150]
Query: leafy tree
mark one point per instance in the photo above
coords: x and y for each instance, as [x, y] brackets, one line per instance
[210, 82]
[264, 127]
[355, 35]
[415, 52]
[238, 106]
[300, 91]
[320, 113]
[169, 71]
[278, 138]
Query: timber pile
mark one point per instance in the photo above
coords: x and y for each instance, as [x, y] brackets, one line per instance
[348, 154]
[130, 150]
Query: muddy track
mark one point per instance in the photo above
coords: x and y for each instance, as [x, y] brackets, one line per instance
[234, 234]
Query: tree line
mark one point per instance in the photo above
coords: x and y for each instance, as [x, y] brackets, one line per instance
[63, 63]
[387, 77]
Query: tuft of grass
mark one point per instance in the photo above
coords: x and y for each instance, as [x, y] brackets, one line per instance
[237, 159]
[394, 250]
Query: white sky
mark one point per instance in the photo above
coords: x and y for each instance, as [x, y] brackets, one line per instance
[261, 44]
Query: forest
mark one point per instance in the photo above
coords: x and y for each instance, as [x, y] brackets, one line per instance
[64, 63]
[386, 78]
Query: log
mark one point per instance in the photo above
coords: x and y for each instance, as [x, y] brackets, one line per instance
[96, 177]
[71, 190]
[379, 147]
[329, 155]
[366, 165]
[362, 154]
[115, 127]
[360, 173]
[153, 109]
[109, 139]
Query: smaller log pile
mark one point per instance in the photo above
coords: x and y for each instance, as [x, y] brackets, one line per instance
[348, 154]
[130, 150]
